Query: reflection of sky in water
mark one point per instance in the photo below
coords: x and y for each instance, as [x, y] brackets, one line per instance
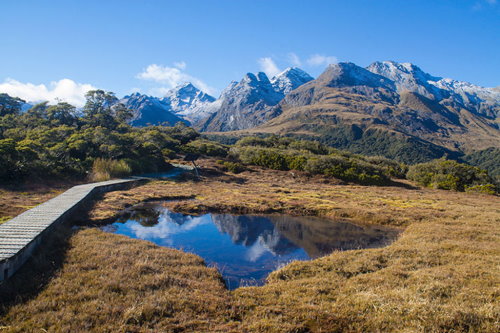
[163, 232]
[245, 249]
[238, 263]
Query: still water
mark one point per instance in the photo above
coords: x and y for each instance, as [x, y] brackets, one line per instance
[174, 172]
[246, 248]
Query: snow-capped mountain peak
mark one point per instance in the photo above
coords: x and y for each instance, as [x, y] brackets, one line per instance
[243, 104]
[186, 95]
[290, 79]
[149, 110]
[409, 77]
[189, 102]
[348, 74]
[183, 103]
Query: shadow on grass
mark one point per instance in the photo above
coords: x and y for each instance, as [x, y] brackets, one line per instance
[37, 272]
[37, 185]
[397, 183]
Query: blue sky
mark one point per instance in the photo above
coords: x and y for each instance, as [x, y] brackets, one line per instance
[150, 45]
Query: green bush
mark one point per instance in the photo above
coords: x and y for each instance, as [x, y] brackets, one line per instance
[271, 158]
[207, 148]
[347, 169]
[313, 147]
[448, 175]
[286, 153]
[391, 168]
[350, 168]
[234, 167]
[254, 142]
[486, 189]
[274, 141]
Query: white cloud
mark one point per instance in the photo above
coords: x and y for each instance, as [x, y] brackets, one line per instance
[63, 90]
[321, 60]
[294, 59]
[172, 77]
[268, 66]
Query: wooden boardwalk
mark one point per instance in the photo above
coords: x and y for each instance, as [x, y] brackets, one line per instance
[21, 235]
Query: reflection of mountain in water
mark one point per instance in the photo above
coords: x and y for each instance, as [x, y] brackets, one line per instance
[284, 234]
[320, 236]
[246, 230]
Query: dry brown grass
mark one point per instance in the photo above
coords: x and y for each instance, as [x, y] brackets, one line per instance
[270, 191]
[441, 275]
[110, 283]
[15, 199]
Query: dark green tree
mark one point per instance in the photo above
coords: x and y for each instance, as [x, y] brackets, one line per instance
[10, 105]
[98, 109]
[62, 114]
[121, 113]
[38, 111]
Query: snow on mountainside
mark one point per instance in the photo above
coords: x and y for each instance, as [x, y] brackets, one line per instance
[254, 100]
[290, 79]
[485, 101]
[149, 110]
[347, 100]
[189, 102]
[247, 103]
[252, 89]
[184, 103]
[408, 77]
[348, 74]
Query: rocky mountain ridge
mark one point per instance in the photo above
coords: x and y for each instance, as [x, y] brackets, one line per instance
[389, 98]
[408, 77]
[248, 103]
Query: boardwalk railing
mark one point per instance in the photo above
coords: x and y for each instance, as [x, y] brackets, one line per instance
[20, 236]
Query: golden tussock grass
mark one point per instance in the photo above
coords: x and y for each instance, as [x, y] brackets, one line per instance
[110, 283]
[440, 275]
[106, 169]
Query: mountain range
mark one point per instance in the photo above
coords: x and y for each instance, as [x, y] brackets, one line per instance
[387, 108]
[241, 105]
